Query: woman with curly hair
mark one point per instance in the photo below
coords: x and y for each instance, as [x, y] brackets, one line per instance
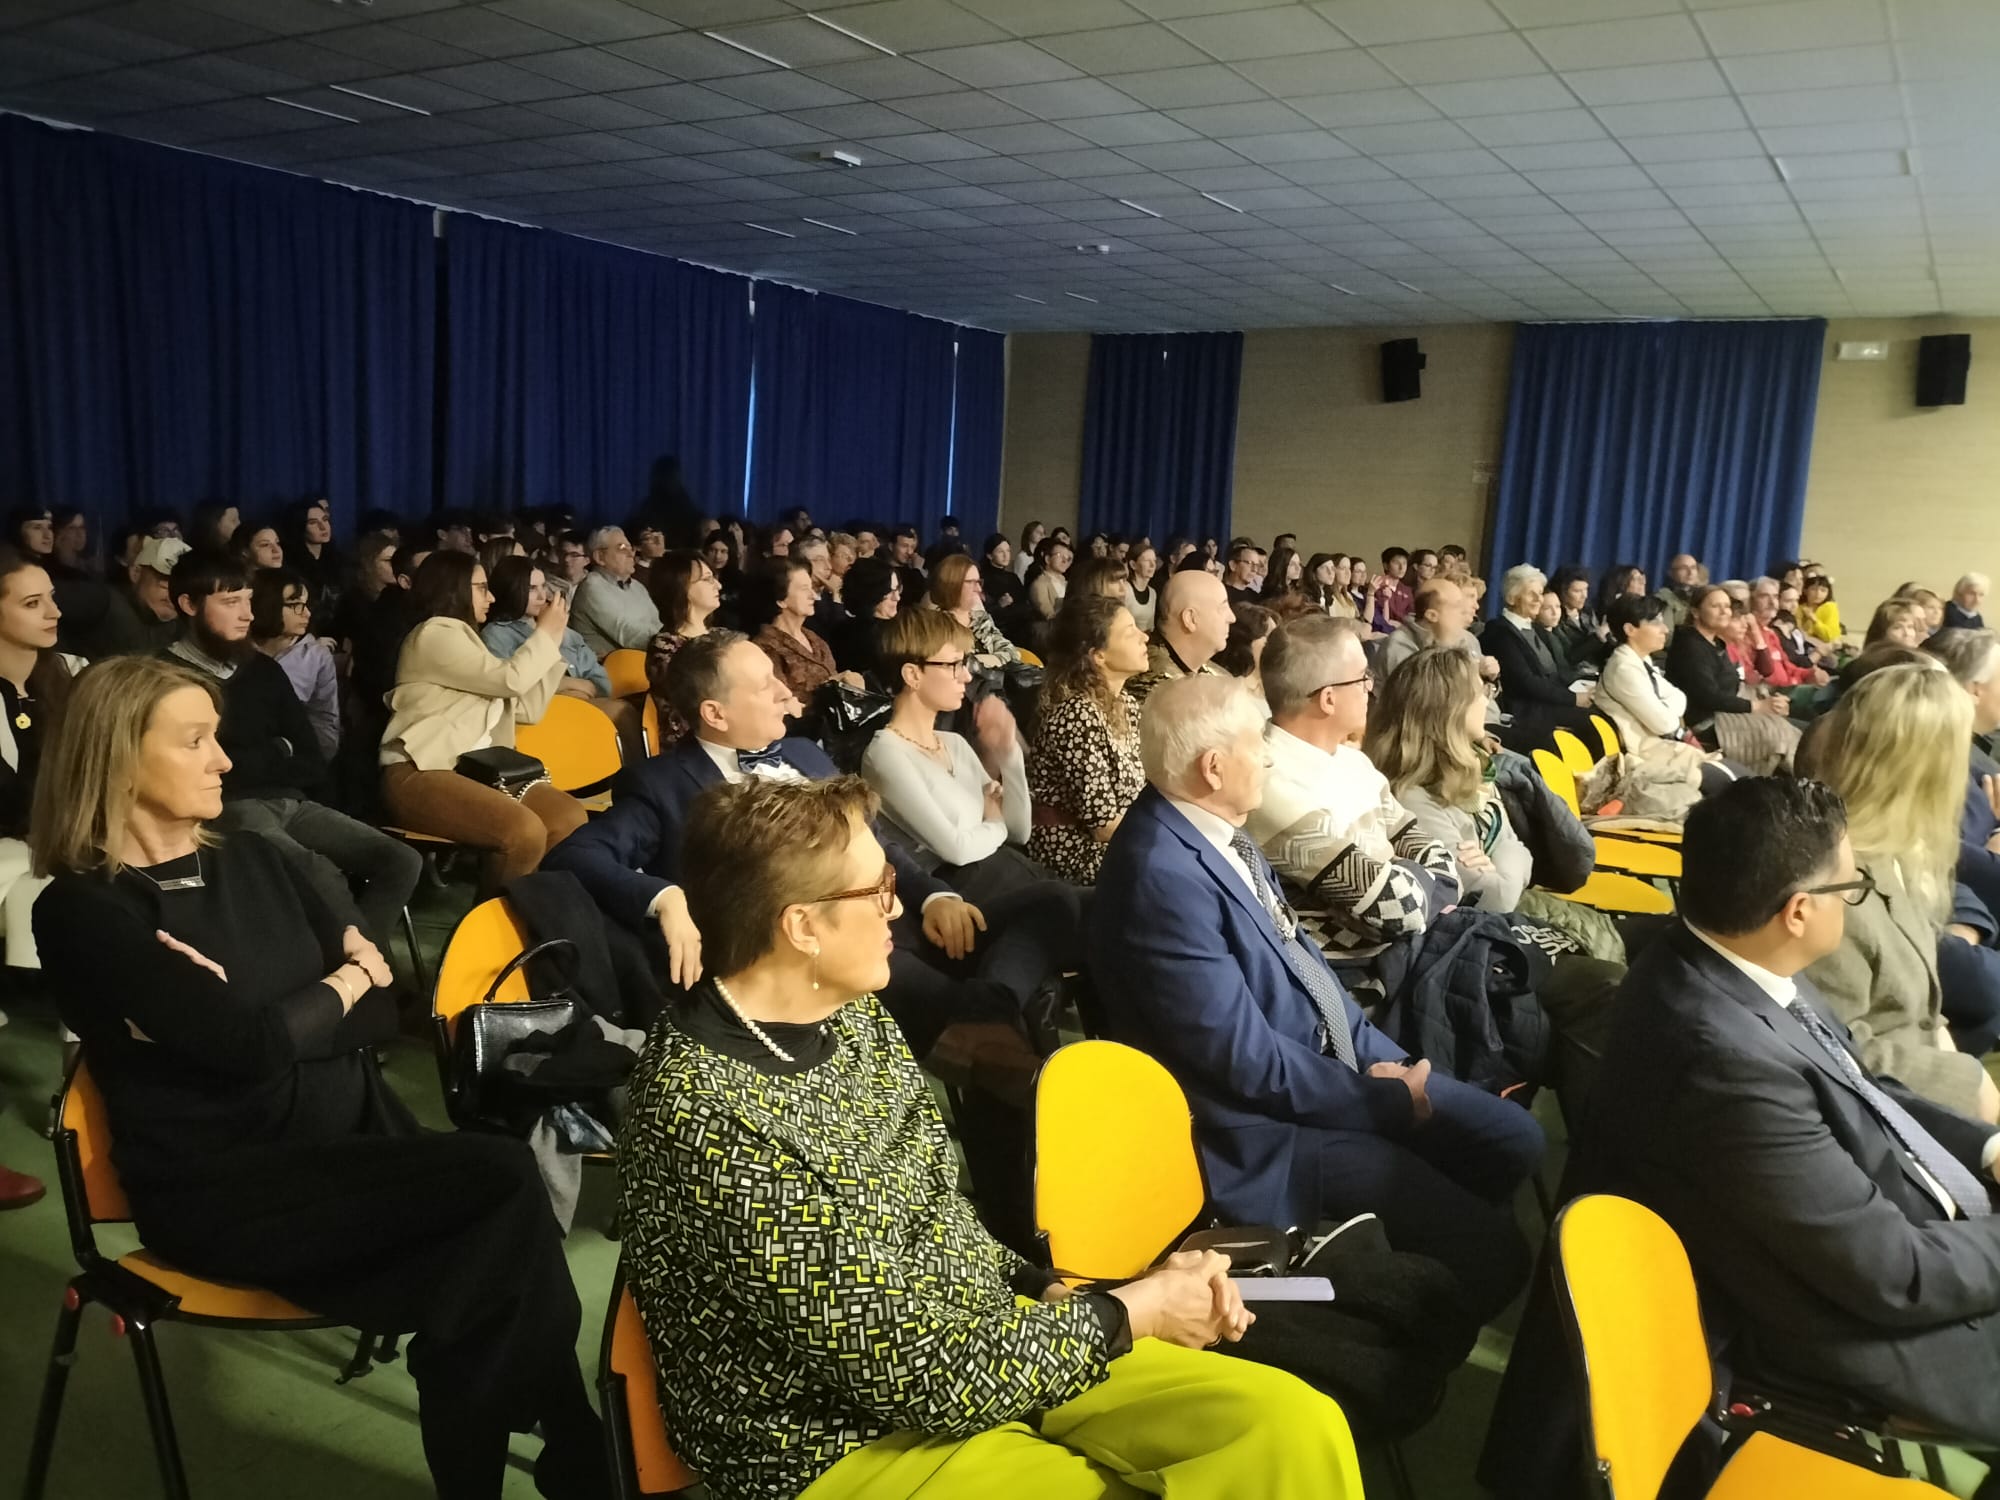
[1083, 769]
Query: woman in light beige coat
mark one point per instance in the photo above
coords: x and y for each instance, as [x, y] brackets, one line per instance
[1894, 749]
[453, 696]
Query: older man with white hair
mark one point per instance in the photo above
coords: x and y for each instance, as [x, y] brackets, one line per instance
[1968, 598]
[1303, 1111]
[612, 610]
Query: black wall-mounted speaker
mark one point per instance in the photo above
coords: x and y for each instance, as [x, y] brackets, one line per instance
[1402, 370]
[1942, 360]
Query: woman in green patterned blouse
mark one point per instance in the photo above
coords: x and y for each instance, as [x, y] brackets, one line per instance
[829, 1317]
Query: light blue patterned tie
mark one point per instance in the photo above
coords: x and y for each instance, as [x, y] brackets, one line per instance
[1306, 965]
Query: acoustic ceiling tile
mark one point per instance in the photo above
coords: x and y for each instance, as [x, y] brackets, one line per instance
[913, 25]
[1621, 43]
[1695, 146]
[689, 55]
[1779, 28]
[1042, 17]
[1825, 106]
[1649, 84]
[1178, 88]
[1224, 120]
[1375, 23]
[1819, 68]
[1458, 59]
[995, 64]
[1070, 99]
[1145, 128]
[781, 91]
[1119, 49]
[1240, 36]
[1599, 153]
[884, 78]
[1500, 96]
[1291, 146]
[1539, 128]
[485, 32]
[584, 20]
[1313, 74]
[1672, 116]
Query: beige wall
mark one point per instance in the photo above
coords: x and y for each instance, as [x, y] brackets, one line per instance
[1895, 492]
[1898, 491]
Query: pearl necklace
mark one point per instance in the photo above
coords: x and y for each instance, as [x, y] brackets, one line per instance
[755, 1030]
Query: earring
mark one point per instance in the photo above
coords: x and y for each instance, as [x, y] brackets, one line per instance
[815, 969]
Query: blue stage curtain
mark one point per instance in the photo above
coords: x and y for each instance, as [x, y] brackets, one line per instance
[574, 366]
[978, 419]
[1630, 442]
[175, 328]
[854, 410]
[1159, 434]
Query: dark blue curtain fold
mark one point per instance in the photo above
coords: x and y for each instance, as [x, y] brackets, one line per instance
[854, 409]
[174, 328]
[1630, 442]
[979, 418]
[1159, 434]
[573, 367]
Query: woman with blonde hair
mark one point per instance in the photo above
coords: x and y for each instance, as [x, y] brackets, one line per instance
[230, 1019]
[1427, 735]
[1899, 621]
[1894, 748]
[958, 589]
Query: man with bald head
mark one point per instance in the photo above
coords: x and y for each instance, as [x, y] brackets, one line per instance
[1683, 573]
[1193, 625]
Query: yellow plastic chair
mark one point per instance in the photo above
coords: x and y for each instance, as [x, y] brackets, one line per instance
[626, 668]
[1607, 890]
[1628, 1296]
[649, 724]
[138, 1289]
[1658, 858]
[576, 742]
[1029, 659]
[643, 1462]
[1574, 755]
[1117, 1180]
[1606, 734]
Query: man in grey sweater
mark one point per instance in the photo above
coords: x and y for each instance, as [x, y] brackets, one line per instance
[612, 610]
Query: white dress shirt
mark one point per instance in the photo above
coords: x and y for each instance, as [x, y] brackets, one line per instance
[1219, 832]
[727, 762]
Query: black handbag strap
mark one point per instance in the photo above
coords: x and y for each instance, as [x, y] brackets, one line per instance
[545, 949]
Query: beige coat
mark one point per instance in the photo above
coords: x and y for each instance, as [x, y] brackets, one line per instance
[1883, 982]
[453, 695]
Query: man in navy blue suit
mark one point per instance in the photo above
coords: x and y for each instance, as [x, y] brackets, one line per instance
[1303, 1111]
[953, 961]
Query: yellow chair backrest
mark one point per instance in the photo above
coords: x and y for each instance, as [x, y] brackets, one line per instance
[649, 725]
[1116, 1175]
[1574, 755]
[1638, 1337]
[655, 1465]
[1559, 777]
[576, 742]
[485, 943]
[84, 1112]
[627, 670]
[1606, 735]
[1029, 659]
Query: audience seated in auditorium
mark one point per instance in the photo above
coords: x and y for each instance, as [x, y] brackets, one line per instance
[1247, 566]
[1932, 605]
[781, 1137]
[139, 615]
[1441, 615]
[1361, 874]
[277, 771]
[454, 696]
[520, 594]
[1968, 598]
[70, 559]
[966, 817]
[378, 638]
[1839, 1221]
[1973, 659]
[1048, 582]
[1143, 586]
[1898, 622]
[230, 1016]
[1393, 595]
[1783, 660]
[1895, 750]
[1644, 706]
[372, 570]
[1194, 621]
[1801, 649]
[212, 525]
[1250, 627]
[1582, 641]
[1819, 616]
[1718, 711]
[1083, 768]
[1618, 581]
[310, 552]
[281, 627]
[957, 588]
[612, 609]
[1534, 683]
[873, 593]
[1304, 1112]
[1684, 575]
[256, 546]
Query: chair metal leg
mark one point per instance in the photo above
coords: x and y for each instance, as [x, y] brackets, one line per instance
[159, 1417]
[61, 1357]
[1543, 1200]
[360, 1362]
[1934, 1466]
[416, 953]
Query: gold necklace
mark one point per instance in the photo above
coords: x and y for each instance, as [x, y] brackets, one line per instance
[935, 748]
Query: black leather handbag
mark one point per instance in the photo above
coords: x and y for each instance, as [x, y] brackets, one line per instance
[480, 1093]
[504, 769]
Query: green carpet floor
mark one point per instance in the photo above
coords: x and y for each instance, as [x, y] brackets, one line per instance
[259, 1415]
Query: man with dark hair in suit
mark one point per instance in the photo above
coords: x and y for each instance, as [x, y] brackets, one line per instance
[960, 975]
[1303, 1111]
[1841, 1225]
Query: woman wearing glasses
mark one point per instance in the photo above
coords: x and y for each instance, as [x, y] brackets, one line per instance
[281, 615]
[966, 810]
[830, 1319]
[1894, 748]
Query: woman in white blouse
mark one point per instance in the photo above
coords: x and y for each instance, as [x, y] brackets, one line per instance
[965, 818]
[1645, 708]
